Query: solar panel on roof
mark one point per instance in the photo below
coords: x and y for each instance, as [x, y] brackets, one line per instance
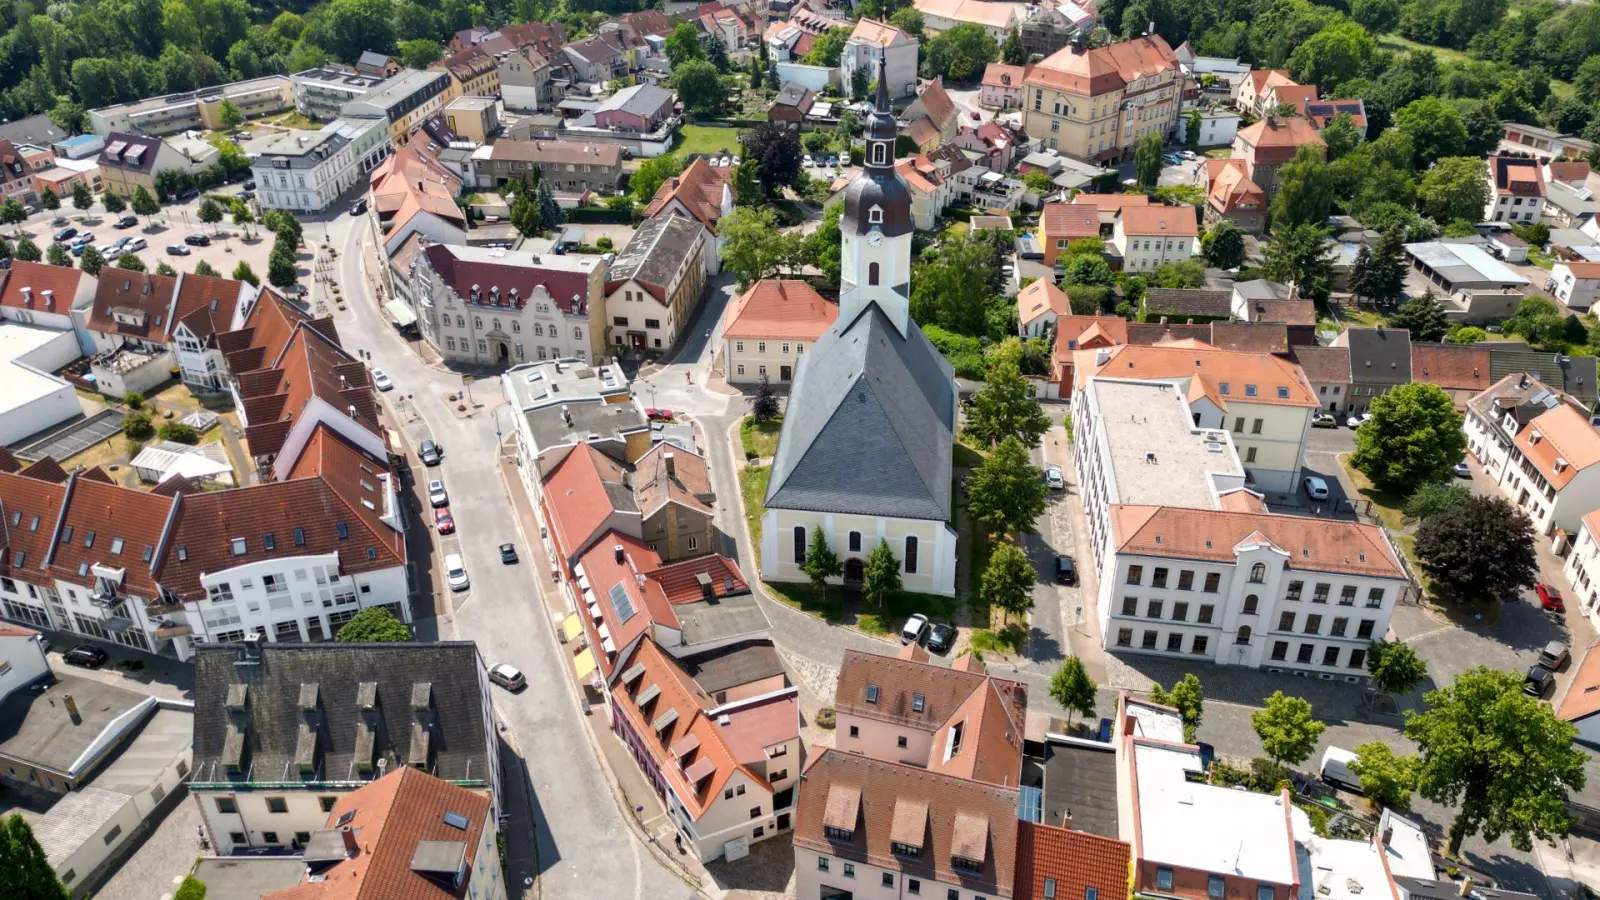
[622, 603]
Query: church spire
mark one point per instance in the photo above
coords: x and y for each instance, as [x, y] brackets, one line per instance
[881, 125]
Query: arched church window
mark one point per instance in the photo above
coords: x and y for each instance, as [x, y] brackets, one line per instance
[872, 273]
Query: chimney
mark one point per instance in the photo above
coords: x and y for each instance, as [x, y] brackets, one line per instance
[566, 414]
[1523, 381]
[1272, 121]
[616, 550]
[1388, 835]
[27, 295]
[672, 464]
[72, 709]
[49, 298]
[349, 836]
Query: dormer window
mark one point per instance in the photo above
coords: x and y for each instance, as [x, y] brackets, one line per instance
[966, 865]
[837, 834]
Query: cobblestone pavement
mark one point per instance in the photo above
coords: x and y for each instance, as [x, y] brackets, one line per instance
[154, 870]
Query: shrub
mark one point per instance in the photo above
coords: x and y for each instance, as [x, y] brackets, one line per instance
[826, 718]
[137, 426]
[604, 244]
[191, 889]
[135, 400]
[1266, 775]
[179, 433]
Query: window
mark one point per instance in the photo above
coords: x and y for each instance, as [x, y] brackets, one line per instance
[1358, 658]
[849, 870]
[1339, 626]
[1303, 655]
[327, 803]
[799, 545]
[1243, 637]
[911, 554]
[240, 546]
[1186, 580]
[1149, 640]
[1347, 595]
[1180, 612]
[888, 880]
[1280, 650]
[1264, 892]
[1295, 589]
[1130, 606]
[913, 886]
[277, 805]
[1320, 595]
[1163, 879]
[1199, 647]
[226, 805]
[302, 837]
[952, 894]
[1212, 581]
[270, 837]
[855, 731]
[1375, 598]
[855, 542]
[1286, 622]
[1125, 637]
[1249, 454]
[918, 702]
[1204, 616]
[822, 864]
[1175, 642]
[1258, 573]
[1049, 889]
[1153, 610]
[755, 812]
[1255, 427]
[872, 693]
[1330, 656]
[1313, 624]
[1091, 893]
[872, 273]
[1364, 630]
[900, 742]
[1214, 887]
[1135, 574]
[1250, 603]
[1158, 578]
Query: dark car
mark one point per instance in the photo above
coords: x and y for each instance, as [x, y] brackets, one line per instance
[127, 222]
[247, 195]
[86, 655]
[1539, 682]
[508, 554]
[941, 637]
[187, 194]
[250, 185]
[197, 240]
[357, 207]
[1066, 570]
[66, 232]
[430, 453]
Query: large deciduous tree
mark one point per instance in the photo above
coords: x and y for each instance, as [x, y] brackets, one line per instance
[1386, 778]
[1072, 687]
[1005, 407]
[962, 52]
[1413, 438]
[1502, 758]
[1287, 729]
[1395, 667]
[683, 44]
[651, 174]
[1223, 245]
[700, 87]
[776, 150]
[1305, 190]
[1300, 254]
[1005, 494]
[1424, 317]
[1435, 128]
[1455, 188]
[1008, 580]
[753, 246]
[374, 625]
[1480, 550]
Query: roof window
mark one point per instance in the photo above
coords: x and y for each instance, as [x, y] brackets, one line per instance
[116, 546]
[183, 554]
[269, 542]
[343, 529]
[872, 693]
[1249, 390]
[299, 537]
[66, 535]
[88, 540]
[240, 546]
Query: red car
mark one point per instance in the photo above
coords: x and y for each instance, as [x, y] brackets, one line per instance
[1549, 597]
[658, 415]
[443, 521]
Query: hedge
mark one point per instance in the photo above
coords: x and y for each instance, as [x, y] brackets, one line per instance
[598, 215]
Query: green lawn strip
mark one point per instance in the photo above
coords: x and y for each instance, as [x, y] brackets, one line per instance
[707, 139]
[1385, 505]
[753, 485]
[1007, 640]
[760, 439]
[894, 613]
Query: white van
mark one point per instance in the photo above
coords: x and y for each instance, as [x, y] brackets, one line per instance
[1336, 769]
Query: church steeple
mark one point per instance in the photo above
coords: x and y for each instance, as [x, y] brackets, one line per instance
[881, 125]
[876, 226]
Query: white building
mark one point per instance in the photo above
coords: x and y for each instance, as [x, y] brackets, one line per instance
[1583, 567]
[1575, 284]
[874, 43]
[1539, 448]
[1217, 127]
[1147, 237]
[1516, 190]
[309, 172]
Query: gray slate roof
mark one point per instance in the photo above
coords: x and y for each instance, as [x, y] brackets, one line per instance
[654, 253]
[1379, 355]
[1573, 374]
[459, 710]
[870, 424]
[1183, 302]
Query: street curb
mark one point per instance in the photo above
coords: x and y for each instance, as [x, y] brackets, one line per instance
[624, 809]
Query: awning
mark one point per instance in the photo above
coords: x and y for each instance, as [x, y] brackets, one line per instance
[401, 313]
[572, 626]
[584, 664]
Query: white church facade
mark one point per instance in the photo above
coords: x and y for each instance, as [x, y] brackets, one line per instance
[865, 450]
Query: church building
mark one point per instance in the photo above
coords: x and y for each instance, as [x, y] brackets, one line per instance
[866, 442]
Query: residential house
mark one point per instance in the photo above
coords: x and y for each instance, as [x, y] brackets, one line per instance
[595, 59]
[792, 105]
[571, 166]
[130, 161]
[996, 18]
[269, 766]
[1146, 237]
[1328, 370]
[1575, 284]
[403, 101]
[546, 396]
[37, 293]
[143, 325]
[1271, 142]
[1062, 223]
[933, 117]
[1516, 190]
[640, 109]
[1002, 86]
[525, 84]
[484, 306]
[474, 72]
[788, 41]
[1231, 195]
[414, 193]
[381, 65]
[768, 328]
[1540, 449]
[1063, 862]
[309, 173]
[1582, 569]
[655, 282]
[1380, 359]
[991, 141]
[876, 46]
[1047, 28]
[1108, 206]
[1039, 305]
[321, 93]
[1098, 104]
[1462, 371]
[1256, 92]
[1573, 376]
[935, 181]
[1192, 305]
[1322, 112]
[17, 173]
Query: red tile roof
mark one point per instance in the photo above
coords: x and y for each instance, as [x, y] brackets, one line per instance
[1452, 367]
[114, 527]
[60, 281]
[698, 188]
[688, 484]
[1104, 69]
[680, 581]
[1275, 139]
[1316, 545]
[989, 745]
[518, 282]
[1160, 221]
[1211, 368]
[1517, 176]
[1074, 860]
[206, 305]
[266, 330]
[944, 691]
[576, 500]
[310, 367]
[1070, 221]
[646, 602]
[29, 509]
[144, 299]
[1041, 297]
[780, 309]
[1583, 695]
[1003, 76]
[1560, 443]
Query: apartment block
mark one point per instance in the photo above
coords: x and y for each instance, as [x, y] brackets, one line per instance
[1098, 104]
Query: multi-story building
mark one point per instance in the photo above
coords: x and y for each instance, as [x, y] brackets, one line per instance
[1271, 142]
[768, 328]
[655, 282]
[18, 172]
[996, 18]
[130, 161]
[1582, 567]
[403, 101]
[473, 73]
[414, 194]
[321, 93]
[545, 394]
[1576, 284]
[1380, 360]
[1536, 443]
[143, 325]
[1231, 195]
[1148, 237]
[702, 194]
[1002, 86]
[1039, 305]
[1257, 89]
[873, 44]
[933, 117]
[1516, 190]
[310, 172]
[1328, 370]
[572, 166]
[1062, 223]
[640, 109]
[1097, 104]
[525, 84]
[268, 769]
[1045, 29]
[595, 59]
[473, 118]
[506, 307]
[198, 110]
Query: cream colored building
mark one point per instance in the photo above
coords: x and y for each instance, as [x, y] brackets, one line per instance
[1097, 104]
[1148, 237]
[768, 329]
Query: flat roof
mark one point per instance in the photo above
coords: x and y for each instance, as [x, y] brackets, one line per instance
[1158, 457]
[1463, 262]
[733, 665]
[1335, 869]
[247, 877]
[159, 742]
[20, 383]
[35, 727]
[1080, 786]
[546, 383]
[704, 621]
[231, 89]
[1178, 819]
[588, 422]
[74, 819]
[1155, 722]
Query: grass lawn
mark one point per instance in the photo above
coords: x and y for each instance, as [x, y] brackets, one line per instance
[1540, 258]
[966, 456]
[1397, 43]
[760, 439]
[753, 485]
[1385, 505]
[707, 139]
[1007, 640]
[1355, 315]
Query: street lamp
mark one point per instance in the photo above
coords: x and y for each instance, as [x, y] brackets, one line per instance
[467, 380]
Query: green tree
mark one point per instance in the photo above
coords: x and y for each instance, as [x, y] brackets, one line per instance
[130, 262]
[1188, 698]
[1423, 316]
[1005, 407]
[821, 562]
[1455, 188]
[12, 212]
[1008, 580]
[1480, 550]
[243, 272]
[1147, 161]
[1377, 16]
[179, 433]
[1414, 437]
[822, 247]
[1192, 124]
[1380, 274]
[282, 270]
[57, 255]
[828, 48]
[1300, 254]
[1012, 53]
[945, 291]
[1468, 334]
[765, 405]
[753, 246]
[1286, 728]
[1223, 245]
[191, 888]
[910, 21]
[961, 53]
[29, 875]
[651, 174]
[204, 268]
[881, 575]
[91, 262]
[1435, 128]
[1396, 669]
[136, 426]
[1082, 268]
[50, 200]
[776, 150]
[1429, 500]
[1006, 494]
[1305, 189]
[1039, 182]
[70, 116]
[374, 625]
[525, 216]
[420, 53]
[1341, 136]
[210, 211]
[1502, 758]
[860, 80]
[143, 202]
[1386, 778]
[1541, 322]
[683, 44]
[1333, 56]
[699, 86]
[230, 116]
[82, 197]
[1072, 687]
[113, 203]
[27, 251]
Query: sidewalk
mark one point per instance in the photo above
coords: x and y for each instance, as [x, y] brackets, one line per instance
[1081, 630]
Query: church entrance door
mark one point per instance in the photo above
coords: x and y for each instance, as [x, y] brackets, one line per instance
[854, 572]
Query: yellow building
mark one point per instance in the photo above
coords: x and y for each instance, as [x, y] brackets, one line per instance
[473, 73]
[1097, 104]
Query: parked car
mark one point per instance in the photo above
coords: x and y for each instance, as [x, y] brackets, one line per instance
[1324, 420]
[77, 249]
[1462, 470]
[1538, 682]
[134, 245]
[455, 572]
[508, 677]
[1066, 570]
[443, 521]
[1337, 772]
[1550, 597]
[430, 453]
[86, 655]
[84, 237]
[914, 629]
[437, 496]
[178, 250]
[807, 161]
[941, 637]
[658, 415]
[358, 206]
[508, 553]
[1355, 420]
[127, 222]
[250, 185]
[247, 195]
[1054, 478]
[1554, 655]
[844, 158]
[241, 135]
[109, 251]
[187, 194]
[197, 240]
[1315, 487]
[833, 161]
[380, 380]
[65, 233]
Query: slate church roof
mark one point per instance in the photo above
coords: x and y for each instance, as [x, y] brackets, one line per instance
[870, 425]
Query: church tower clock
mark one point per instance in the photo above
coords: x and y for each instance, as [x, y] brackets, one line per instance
[876, 225]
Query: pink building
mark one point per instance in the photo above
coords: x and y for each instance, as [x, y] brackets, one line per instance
[1002, 86]
[640, 108]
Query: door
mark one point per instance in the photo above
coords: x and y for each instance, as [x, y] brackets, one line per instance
[783, 821]
[854, 571]
[785, 373]
[637, 339]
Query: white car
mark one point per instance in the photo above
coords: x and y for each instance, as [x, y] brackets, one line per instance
[455, 572]
[1054, 478]
[1316, 488]
[134, 245]
[914, 629]
[437, 496]
[806, 161]
[380, 380]
[844, 159]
